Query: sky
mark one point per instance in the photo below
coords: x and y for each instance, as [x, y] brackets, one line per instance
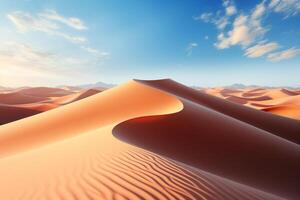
[197, 42]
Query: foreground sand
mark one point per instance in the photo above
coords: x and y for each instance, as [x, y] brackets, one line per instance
[70, 152]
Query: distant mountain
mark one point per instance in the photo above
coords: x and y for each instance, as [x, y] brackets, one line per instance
[242, 86]
[5, 88]
[237, 86]
[2, 88]
[98, 85]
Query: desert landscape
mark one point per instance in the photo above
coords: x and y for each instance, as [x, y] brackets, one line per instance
[145, 140]
[150, 100]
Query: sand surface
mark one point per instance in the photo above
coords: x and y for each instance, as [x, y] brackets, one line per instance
[149, 140]
[17, 104]
[279, 101]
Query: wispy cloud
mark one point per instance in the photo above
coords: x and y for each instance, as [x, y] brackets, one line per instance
[21, 54]
[261, 49]
[22, 61]
[72, 22]
[25, 22]
[206, 17]
[52, 23]
[191, 46]
[286, 7]
[283, 55]
[221, 22]
[229, 7]
[44, 22]
[96, 52]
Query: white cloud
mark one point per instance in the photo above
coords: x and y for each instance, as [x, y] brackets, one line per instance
[247, 29]
[26, 22]
[90, 50]
[205, 17]
[73, 39]
[96, 52]
[190, 48]
[13, 53]
[230, 8]
[25, 63]
[29, 64]
[244, 32]
[70, 21]
[283, 55]
[261, 49]
[286, 7]
[221, 23]
[259, 11]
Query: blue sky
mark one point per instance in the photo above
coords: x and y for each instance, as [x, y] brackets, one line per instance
[200, 42]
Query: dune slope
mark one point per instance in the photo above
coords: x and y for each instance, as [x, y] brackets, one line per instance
[280, 126]
[206, 137]
[70, 153]
[279, 101]
[12, 113]
[23, 103]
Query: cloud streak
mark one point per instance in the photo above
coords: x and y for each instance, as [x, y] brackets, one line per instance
[72, 22]
[191, 46]
[287, 7]
[261, 49]
[46, 22]
[284, 55]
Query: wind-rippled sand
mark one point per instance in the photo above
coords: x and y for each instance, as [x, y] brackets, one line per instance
[123, 143]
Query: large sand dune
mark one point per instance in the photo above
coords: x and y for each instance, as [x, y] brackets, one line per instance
[186, 146]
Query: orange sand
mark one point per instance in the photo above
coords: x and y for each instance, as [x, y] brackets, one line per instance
[282, 102]
[70, 152]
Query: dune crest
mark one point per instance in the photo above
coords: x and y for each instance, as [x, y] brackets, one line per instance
[70, 152]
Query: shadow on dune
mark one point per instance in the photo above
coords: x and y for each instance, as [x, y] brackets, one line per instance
[281, 126]
[11, 113]
[223, 138]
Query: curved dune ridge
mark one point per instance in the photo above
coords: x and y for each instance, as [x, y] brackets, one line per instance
[70, 152]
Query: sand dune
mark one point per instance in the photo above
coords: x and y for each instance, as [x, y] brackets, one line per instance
[194, 146]
[19, 98]
[26, 102]
[12, 113]
[75, 97]
[45, 92]
[285, 110]
[284, 102]
[245, 153]
[283, 127]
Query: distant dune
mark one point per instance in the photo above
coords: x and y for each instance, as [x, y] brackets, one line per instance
[16, 104]
[171, 142]
[279, 101]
